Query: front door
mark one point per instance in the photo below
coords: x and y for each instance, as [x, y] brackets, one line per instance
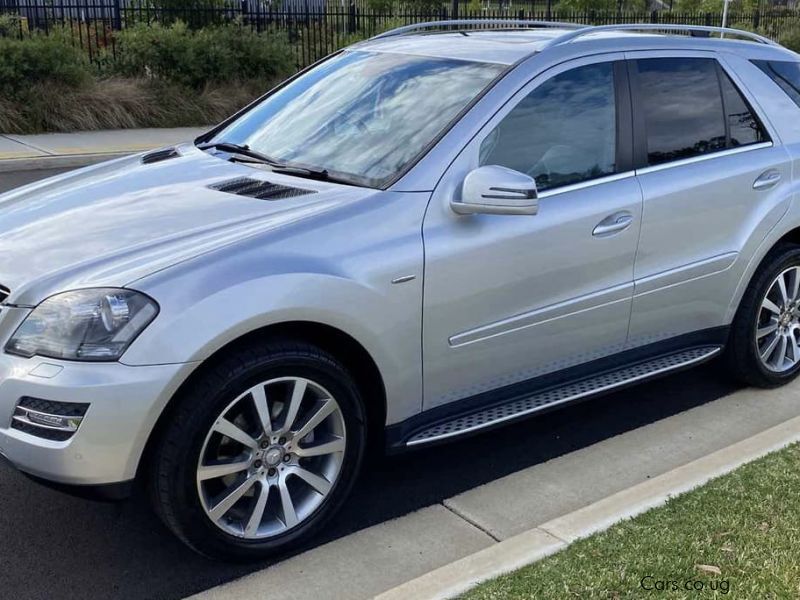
[508, 298]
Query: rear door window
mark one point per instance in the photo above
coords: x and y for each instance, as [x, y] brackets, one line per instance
[690, 108]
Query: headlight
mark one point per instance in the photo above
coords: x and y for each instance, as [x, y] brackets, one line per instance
[91, 325]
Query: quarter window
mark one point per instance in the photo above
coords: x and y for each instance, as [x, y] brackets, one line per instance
[785, 73]
[563, 132]
[692, 108]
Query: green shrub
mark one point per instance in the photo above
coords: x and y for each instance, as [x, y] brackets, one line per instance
[195, 13]
[9, 25]
[381, 6]
[426, 7]
[41, 59]
[177, 54]
[121, 103]
[791, 38]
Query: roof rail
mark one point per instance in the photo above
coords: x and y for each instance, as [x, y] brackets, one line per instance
[505, 23]
[572, 35]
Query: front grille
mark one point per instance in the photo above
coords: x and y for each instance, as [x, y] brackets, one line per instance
[256, 188]
[48, 419]
[4, 293]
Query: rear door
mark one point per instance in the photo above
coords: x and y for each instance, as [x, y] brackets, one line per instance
[713, 179]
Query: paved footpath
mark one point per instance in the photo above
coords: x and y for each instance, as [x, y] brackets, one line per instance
[58, 150]
[408, 515]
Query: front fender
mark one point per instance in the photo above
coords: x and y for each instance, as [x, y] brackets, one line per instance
[339, 274]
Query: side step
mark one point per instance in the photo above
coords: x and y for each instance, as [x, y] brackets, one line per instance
[539, 401]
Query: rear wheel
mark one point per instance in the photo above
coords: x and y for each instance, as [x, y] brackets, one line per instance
[262, 450]
[764, 349]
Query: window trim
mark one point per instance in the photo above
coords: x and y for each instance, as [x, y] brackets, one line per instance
[641, 161]
[703, 157]
[623, 111]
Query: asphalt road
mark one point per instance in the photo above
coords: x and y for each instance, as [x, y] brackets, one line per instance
[53, 545]
[8, 181]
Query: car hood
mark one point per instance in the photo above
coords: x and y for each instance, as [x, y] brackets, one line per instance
[114, 223]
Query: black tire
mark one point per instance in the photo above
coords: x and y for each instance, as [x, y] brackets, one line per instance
[742, 351]
[173, 483]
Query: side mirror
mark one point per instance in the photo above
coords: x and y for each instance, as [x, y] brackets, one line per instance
[495, 190]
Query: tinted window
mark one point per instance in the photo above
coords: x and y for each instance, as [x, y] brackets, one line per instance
[563, 132]
[786, 74]
[682, 108]
[743, 127]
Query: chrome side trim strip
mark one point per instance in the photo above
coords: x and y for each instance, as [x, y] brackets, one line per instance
[573, 306]
[684, 273]
[703, 158]
[574, 391]
[586, 184]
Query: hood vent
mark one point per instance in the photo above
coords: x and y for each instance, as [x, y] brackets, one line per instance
[159, 155]
[256, 188]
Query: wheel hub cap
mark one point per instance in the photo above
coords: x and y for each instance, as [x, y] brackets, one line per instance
[274, 456]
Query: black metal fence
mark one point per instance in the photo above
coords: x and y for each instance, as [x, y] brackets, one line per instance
[318, 27]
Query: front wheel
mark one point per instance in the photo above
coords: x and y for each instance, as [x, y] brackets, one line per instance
[261, 451]
[764, 348]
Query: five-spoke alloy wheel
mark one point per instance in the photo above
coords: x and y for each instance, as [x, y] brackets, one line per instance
[260, 450]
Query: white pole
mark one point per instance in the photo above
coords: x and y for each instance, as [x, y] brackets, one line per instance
[724, 17]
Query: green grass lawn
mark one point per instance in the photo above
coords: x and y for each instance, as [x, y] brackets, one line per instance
[736, 537]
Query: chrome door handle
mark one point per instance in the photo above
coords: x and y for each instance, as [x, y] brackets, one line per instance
[613, 224]
[768, 179]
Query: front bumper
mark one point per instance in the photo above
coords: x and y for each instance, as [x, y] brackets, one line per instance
[124, 405]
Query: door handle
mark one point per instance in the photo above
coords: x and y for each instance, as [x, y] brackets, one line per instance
[613, 224]
[768, 179]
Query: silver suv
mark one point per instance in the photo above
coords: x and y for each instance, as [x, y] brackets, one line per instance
[431, 233]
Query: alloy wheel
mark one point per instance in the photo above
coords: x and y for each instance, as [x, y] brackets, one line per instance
[778, 324]
[271, 458]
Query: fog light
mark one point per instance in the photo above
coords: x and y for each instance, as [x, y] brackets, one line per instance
[48, 419]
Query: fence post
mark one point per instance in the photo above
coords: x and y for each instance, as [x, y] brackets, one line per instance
[654, 16]
[756, 19]
[455, 9]
[117, 18]
[351, 18]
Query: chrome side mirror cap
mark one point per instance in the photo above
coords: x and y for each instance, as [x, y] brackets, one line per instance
[496, 190]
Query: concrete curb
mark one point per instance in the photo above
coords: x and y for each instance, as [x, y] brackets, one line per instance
[537, 543]
[39, 163]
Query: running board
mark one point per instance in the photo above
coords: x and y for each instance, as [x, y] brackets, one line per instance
[591, 386]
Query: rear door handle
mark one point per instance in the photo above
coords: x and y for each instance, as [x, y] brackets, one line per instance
[613, 224]
[768, 179]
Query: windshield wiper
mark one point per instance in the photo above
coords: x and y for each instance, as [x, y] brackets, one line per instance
[276, 165]
[241, 149]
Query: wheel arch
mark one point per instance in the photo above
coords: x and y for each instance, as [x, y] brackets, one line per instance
[791, 236]
[344, 347]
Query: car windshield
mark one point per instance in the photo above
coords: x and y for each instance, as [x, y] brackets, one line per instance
[361, 116]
